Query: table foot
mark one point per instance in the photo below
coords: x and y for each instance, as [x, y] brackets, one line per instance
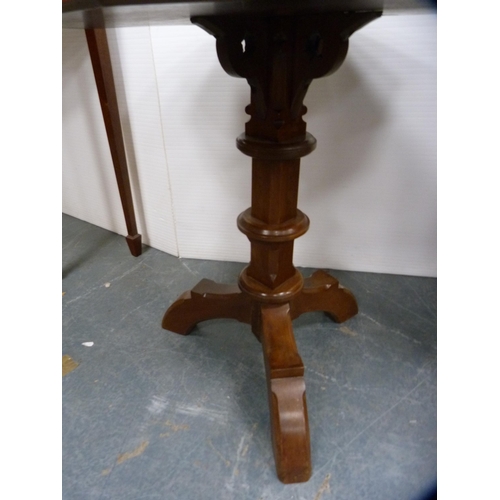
[134, 243]
[287, 397]
[322, 292]
[207, 300]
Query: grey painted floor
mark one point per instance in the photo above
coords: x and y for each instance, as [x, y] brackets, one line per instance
[149, 414]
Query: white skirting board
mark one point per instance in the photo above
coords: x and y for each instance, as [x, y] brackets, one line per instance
[369, 188]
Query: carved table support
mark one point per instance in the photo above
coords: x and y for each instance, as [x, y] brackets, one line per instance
[279, 56]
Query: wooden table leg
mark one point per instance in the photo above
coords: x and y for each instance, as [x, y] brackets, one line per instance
[207, 300]
[322, 292]
[287, 395]
[279, 57]
[101, 63]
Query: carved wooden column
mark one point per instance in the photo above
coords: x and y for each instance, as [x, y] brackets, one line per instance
[279, 56]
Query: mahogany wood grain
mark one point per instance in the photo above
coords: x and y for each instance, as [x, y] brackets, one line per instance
[287, 396]
[279, 47]
[207, 300]
[322, 292]
[279, 56]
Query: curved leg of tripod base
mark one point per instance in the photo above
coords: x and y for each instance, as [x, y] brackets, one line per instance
[207, 300]
[322, 292]
[287, 397]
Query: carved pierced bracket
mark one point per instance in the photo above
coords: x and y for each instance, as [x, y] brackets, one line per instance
[280, 56]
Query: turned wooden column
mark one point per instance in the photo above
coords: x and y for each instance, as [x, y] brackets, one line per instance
[279, 56]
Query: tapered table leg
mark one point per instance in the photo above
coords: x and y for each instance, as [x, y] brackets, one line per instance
[101, 63]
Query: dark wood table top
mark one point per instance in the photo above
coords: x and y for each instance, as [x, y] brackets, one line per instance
[117, 13]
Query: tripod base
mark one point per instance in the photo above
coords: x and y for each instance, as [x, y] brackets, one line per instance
[272, 325]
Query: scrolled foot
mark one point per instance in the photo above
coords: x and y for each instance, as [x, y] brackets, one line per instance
[322, 292]
[287, 397]
[207, 300]
[134, 244]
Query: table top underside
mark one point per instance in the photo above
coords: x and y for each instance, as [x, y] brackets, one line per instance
[121, 13]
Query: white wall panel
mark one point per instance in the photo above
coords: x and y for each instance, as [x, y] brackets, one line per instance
[89, 187]
[137, 91]
[203, 112]
[369, 188]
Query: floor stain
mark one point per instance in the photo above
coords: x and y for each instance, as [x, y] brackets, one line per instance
[348, 331]
[325, 486]
[68, 364]
[106, 472]
[176, 428]
[132, 454]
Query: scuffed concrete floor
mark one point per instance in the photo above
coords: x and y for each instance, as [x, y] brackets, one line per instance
[149, 414]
